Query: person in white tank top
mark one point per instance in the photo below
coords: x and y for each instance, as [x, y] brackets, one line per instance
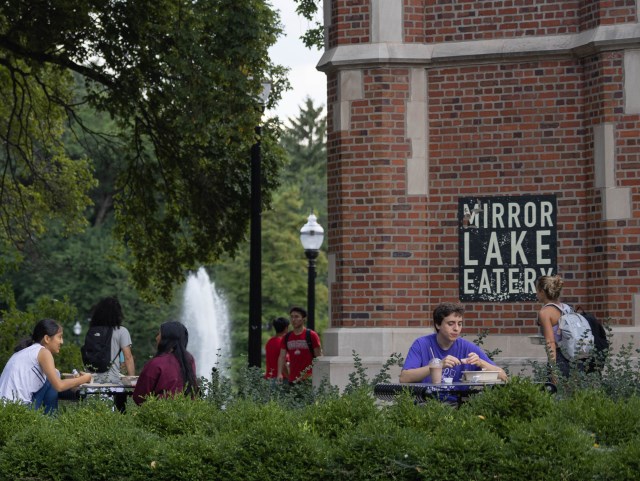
[548, 290]
[30, 375]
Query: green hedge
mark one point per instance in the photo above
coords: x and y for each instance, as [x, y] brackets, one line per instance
[513, 432]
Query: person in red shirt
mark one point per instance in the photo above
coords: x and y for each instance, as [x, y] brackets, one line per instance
[302, 345]
[172, 370]
[272, 348]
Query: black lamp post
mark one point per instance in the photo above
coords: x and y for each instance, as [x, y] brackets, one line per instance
[311, 237]
[77, 329]
[255, 251]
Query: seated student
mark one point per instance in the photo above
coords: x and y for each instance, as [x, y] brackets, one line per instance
[457, 354]
[30, 375]
[172, 370]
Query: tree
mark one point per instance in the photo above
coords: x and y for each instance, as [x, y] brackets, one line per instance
[284, 266]
[314, 36]
[284, 274]
[181, 81]
[305, 142]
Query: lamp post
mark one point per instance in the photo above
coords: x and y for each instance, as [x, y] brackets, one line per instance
[77, 329]
[311, 237]
[255, 250]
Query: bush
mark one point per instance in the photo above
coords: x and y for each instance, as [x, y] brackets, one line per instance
[545, 449]
[519, 400]
[335, 417]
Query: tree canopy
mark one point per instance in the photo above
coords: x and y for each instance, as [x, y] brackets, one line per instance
[180, 80]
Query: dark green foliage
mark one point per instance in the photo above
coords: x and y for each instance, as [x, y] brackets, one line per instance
[377, 450]
[612, 422]
[16, 325]
[518, 401]
[177, 417]
[334, 417]
[180, 81]
[543, 450]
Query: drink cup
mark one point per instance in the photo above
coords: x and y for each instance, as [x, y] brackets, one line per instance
[435, 370]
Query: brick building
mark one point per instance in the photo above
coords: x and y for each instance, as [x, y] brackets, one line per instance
[442, 112]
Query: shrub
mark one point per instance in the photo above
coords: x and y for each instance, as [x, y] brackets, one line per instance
[176, 416]
[376, 450]
[15, 417]
[519, 400]
[460, 447]
[545, 449]
[333, 417]
[611, 422]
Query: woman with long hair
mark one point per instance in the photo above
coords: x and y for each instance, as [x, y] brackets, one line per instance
[30, 375]
[108, 312]
[172, 370]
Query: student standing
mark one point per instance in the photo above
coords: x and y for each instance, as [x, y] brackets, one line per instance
[302, 345]
[273, 346]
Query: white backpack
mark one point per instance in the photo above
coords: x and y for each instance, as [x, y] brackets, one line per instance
[576, 338]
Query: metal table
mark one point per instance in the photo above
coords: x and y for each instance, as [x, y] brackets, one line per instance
[118, 392]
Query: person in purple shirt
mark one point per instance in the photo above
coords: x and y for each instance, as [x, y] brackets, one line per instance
[457, 354]
[172, 370]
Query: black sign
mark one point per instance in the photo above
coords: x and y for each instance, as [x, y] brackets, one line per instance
[506, 243]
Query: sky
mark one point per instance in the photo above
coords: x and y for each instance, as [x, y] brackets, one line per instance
[290, 51]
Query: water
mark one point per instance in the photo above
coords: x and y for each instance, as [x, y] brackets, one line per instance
[205, 313]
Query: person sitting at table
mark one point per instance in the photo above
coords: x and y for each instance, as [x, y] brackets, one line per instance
[172, 370]
[30, 375]
[456, 354]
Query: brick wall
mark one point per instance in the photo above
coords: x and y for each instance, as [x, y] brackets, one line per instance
[497, 127]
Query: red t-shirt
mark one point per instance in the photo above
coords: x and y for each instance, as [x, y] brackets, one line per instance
[299, 355]
[272, 352]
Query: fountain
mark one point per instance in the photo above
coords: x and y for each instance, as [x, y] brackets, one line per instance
[205, 314]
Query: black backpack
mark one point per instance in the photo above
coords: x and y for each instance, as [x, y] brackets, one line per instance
[600, 342]
[307, 337]
[96, 351]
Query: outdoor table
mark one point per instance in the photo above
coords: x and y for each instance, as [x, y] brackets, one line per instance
[459, 391]
[118, 392]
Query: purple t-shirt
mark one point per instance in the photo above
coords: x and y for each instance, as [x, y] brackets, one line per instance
[420, 355]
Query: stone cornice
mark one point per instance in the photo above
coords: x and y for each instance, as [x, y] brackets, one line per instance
[580, 44]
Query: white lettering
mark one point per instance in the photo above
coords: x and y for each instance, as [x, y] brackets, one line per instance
[516, 248]
[542, 247]
[485, 282]
[529, 280]
[545, 214]
[514, 211]
[514, 284]
[468, 282]
[529, 214]
[467, 259]
[497, 211]
[498, 273]
[493, 250]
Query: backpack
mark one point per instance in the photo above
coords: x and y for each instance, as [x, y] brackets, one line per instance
[308, 338]
[600, 342]
[96, 351]
[576, 338]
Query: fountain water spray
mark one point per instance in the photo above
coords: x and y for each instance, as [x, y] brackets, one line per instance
[206, 316]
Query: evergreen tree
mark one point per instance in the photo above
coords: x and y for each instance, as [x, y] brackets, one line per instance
[305, 142]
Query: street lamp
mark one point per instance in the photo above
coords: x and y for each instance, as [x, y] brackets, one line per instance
[77, 329]
[255, 250]
[311, 236]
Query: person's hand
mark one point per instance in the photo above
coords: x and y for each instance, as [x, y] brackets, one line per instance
[473, 358]
[279, 378]
[86, 377]
[450, 361]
